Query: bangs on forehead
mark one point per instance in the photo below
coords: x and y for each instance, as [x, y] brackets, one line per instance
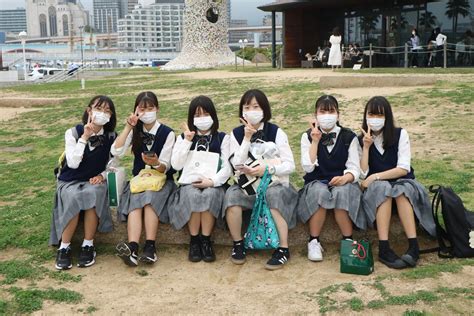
[326, 104]
[249, 98]
[99, 102]
[146, 103]
[376, 108]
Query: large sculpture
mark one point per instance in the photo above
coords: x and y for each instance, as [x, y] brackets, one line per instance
[205, 36]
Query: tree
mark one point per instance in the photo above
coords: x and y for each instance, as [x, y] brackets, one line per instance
[88, 29]
[454, 8]
[368, 23]
[428, 20]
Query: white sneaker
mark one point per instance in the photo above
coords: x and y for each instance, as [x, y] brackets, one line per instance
[315, 250]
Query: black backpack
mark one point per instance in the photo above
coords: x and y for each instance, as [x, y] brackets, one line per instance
[458, 223]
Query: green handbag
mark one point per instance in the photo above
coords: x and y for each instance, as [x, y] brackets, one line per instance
[356, 257]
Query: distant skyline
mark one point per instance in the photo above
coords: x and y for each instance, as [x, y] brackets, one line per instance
[241, 9]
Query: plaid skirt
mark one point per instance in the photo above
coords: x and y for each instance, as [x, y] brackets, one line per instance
[279, 197]
[379, 191]
[316, 194]
[73, 197]
[188, 199]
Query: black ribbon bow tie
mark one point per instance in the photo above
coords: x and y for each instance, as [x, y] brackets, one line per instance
[328, 139]
[97, 140]
[202, 142]
[148, 138]
[259, 135]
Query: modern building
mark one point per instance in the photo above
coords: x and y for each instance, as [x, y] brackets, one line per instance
[308, 24]
[13, 21]
[157, 27]
[51, 18]
[107, 13]
[235, 36]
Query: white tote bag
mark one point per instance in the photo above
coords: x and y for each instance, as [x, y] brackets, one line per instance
[199, 164]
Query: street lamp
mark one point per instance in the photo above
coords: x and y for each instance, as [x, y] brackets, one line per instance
[242, 44]
[23, 37]
[82, 51]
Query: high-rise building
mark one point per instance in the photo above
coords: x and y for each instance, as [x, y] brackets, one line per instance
[157, 27]
[108, 12]
[235, 36]
[51, 18]
[13, 20]
[131, 5]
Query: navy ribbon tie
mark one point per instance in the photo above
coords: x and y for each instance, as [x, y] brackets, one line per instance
[148, 138]
[202, 142]
[328, 139]
[259, 135]
[96, 141]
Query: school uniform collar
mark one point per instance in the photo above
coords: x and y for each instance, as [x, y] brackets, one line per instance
[336, 129]
[262, 125]
[101, 132]
[154, 129]
[201, 134]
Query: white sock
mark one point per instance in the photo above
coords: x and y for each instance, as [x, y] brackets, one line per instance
[64, 245]
[89, 243]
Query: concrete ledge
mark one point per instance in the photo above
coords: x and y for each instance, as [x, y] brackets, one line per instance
[375, 81]
[297, 236]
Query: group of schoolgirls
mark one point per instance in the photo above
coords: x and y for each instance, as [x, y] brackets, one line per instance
[361, 178]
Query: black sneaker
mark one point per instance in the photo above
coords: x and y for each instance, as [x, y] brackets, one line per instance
[238, 253]
[391, 260]
[148, 255]
[195, 254]
[207, 251]
[278, 259]
[125, 253]
[64, 259]
[86, 257]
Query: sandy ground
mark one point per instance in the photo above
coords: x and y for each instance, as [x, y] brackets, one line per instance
[176, 286]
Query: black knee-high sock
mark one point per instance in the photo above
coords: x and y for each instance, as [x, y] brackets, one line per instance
[133, 246]
[413, 248]
[384, 246]
[195, 239]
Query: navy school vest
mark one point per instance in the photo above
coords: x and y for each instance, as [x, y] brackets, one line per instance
[331, 164]
[93, 162]
[389, 159]
[160, 140]
[270, 131]
[214, 146]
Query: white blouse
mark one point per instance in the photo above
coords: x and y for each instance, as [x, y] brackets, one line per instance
[282, 170]
[180, 154]
[404, 151]
[352, 163]
[165, 155]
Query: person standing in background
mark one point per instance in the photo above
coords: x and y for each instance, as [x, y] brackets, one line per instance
[335, 55]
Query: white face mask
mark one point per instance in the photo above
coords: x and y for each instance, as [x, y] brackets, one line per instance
[203, 123]
[148, 117]
[327, 121]
[253, 117]
[100, 118]
[376, 124]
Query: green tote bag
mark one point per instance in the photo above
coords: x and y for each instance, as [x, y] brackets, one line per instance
[356, 257]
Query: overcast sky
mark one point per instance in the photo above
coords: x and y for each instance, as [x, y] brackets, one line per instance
[241, 9]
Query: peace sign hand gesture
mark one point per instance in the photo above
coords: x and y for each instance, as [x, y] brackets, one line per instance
[315, 132]
[189, 135]
[248, 129]
[132, 120]
[88, 128]
[367, 140]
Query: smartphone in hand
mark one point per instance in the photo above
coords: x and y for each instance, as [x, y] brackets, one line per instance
[149, 154]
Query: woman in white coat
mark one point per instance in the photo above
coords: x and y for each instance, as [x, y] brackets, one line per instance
[335, 55]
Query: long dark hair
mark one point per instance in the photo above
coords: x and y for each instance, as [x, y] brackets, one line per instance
[98, 101]
[146, 98]
[262, 101]
[207, 105]
[336, 31]
[380, 106]
[416, 33]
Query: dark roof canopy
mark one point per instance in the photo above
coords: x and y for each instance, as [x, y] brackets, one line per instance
[283, 5]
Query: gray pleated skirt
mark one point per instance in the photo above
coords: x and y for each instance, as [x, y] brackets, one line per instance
[316, 194]
[73, 197]
[379, 191]
[188, 199]
[157, 199]
[279, 197]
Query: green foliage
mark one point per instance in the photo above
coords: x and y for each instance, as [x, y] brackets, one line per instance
[30, 300]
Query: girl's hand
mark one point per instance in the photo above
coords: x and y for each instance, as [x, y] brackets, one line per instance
[189, 135]
[248, 130]
[338, 181]
[257, 171]
[315, 132]
[204, 183]
[368, 181]
[97, 179]
[151, 161]
[132, 120]
[368, 140]
[88, 128]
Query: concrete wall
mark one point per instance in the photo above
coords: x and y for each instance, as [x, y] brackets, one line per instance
[8, 76]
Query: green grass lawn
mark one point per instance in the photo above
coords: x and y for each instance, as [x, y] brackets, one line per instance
[31, 144]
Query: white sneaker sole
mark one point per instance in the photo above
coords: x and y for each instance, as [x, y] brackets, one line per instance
[87, 264]
[63, 268]
[315, 259]
[124, 253]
